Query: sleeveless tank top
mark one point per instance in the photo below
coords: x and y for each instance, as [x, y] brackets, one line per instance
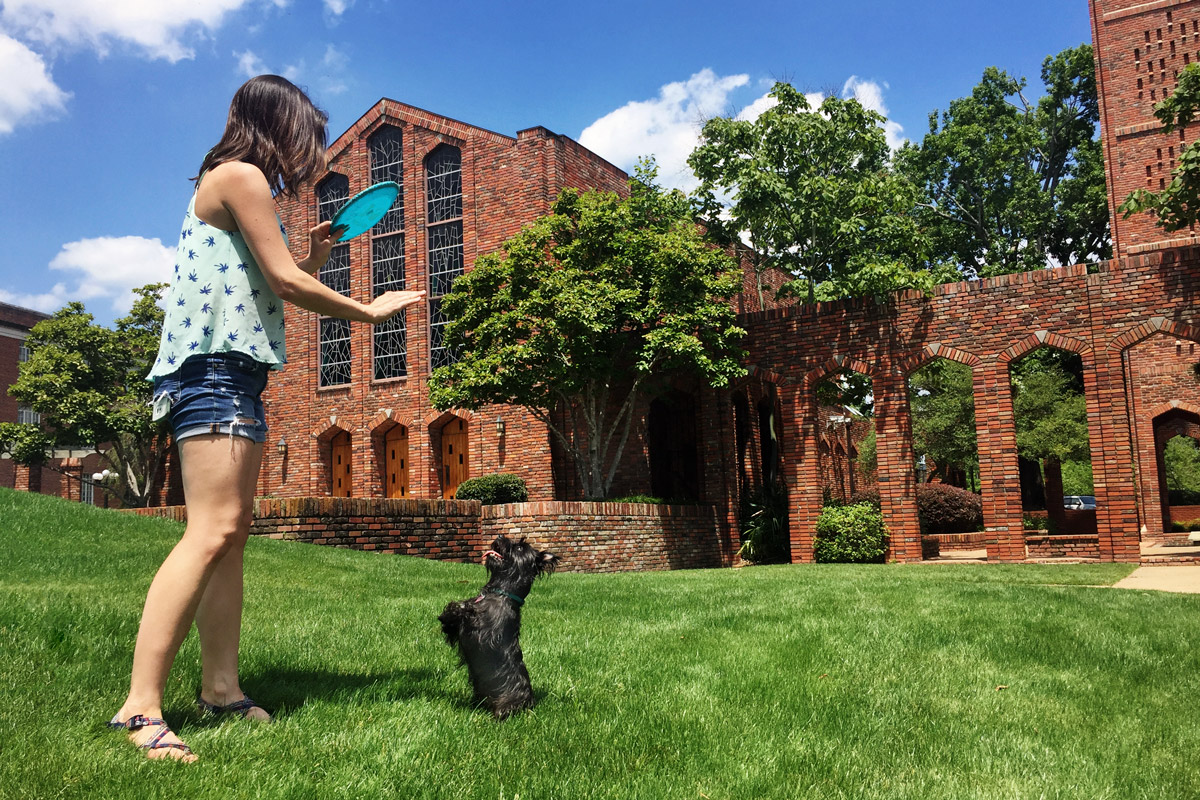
[219, 301]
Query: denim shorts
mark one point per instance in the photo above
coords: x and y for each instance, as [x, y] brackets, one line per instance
[216, 393]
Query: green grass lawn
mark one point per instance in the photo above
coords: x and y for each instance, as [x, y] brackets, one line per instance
[788, 682]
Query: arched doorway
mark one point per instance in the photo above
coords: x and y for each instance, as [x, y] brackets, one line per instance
[395, 461]
[456, 465]
[339, 462]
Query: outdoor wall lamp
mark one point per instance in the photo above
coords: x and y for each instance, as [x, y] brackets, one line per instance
[500, 427]
[281, 448]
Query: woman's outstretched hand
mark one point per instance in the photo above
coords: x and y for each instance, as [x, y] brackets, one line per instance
[389, 304]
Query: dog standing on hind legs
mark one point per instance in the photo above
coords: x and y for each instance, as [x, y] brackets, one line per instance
[486, 629]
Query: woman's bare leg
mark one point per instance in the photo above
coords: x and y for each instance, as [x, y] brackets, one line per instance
[219, 623]
[219, 475]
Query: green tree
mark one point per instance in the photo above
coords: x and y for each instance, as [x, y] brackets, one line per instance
[942, 406]
[88, 383]
[811, 192]
[1009, 185]
[588, 310]
[1178, 205]
[1050, 410]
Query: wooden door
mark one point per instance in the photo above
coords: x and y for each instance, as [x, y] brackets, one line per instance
[455, 464]
[340, 465]
[395, 459]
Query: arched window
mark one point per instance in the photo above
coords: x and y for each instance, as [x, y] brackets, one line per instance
[334, 334]
[387, 254]
[444, 232]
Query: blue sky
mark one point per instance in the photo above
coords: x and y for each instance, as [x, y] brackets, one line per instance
[107, 106]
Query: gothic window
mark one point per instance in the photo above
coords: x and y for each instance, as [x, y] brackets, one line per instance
[333, 335]
[390, 340]
[334, 352]
[332, 194]
[444, 232]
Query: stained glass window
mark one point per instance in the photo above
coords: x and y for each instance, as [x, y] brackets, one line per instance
[444, 238]
[335, 352]
[390, 339]
[332, 194]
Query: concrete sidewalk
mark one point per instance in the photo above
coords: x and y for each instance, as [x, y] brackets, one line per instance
[1181, 578]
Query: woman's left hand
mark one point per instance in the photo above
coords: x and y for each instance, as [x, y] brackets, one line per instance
[320, 241]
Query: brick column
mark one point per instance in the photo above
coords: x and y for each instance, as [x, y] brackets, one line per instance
[897, 478]
[72, 469]
[999, 476]
[1117, 501]
[801, 467]
[718, 466]
[28, 479]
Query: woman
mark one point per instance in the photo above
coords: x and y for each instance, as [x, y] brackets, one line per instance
[222, 334]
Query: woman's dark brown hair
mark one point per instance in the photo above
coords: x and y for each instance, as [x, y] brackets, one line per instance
[274, 126]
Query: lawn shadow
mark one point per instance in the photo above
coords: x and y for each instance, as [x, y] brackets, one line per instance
[284, 691]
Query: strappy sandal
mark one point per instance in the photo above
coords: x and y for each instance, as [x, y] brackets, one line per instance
[240, 707]
[138, 721]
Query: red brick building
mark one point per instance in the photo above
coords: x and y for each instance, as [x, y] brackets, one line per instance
[15, 323]
[350, 415]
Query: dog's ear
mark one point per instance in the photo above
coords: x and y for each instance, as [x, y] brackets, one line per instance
[547, 563]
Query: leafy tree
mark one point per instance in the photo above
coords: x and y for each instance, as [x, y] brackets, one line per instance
[1182, 461]
[88, 383]
[1178, 205]
[1050, 409]
[1009, 185]
[812, 194]
[587, 310]
[942, 406]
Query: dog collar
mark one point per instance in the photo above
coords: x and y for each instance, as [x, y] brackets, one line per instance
[518, 600]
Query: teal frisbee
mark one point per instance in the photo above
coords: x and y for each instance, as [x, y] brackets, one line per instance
[365, 209]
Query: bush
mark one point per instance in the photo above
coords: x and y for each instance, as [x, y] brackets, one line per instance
[853, 534]
[764, 525]
[870, 496]
[637, 499]
[495, 489]
[948, 509]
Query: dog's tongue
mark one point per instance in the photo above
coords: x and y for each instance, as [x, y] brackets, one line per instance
[492, 553]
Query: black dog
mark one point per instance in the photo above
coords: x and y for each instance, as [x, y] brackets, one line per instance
[485, 629]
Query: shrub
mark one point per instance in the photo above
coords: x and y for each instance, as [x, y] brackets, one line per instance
[948, 509]
[853, 534]
[638, 499]
[495, 489]
[764, 525]
[870, 496]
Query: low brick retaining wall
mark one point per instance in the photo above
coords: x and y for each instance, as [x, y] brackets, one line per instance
[587, 537]
[1068, 545]
[963, 541]
[614, 537]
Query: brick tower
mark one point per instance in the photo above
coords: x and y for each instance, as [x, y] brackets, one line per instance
[1140, 49]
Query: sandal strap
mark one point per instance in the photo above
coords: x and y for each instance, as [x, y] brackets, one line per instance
[157, 743]
[240, 707]
[136, 722]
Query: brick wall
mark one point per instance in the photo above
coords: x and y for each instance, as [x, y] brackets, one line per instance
[615, 537]
[587, 537]
[15, 323]
[1063, 546]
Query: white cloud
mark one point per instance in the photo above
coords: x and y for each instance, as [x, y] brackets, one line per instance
[158, 27]
[337, 7]
[109, 268]
[250, 65]
[667, 127]
[49, 301]
[870, 95]
[27, 90]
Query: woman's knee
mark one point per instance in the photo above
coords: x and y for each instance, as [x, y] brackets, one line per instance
[215, 539]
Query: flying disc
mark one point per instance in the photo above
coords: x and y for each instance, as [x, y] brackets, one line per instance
[365, 209]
